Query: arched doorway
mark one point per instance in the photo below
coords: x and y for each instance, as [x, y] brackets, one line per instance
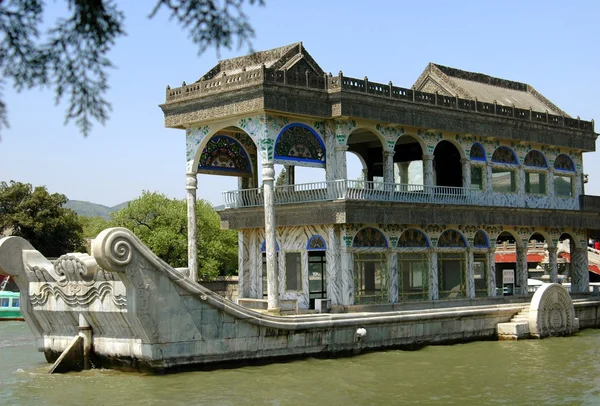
[447, 166]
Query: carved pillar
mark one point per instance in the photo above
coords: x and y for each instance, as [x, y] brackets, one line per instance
[347, 282]
[428, 172]
[393, 277]
[334, 278]
[580, 277]
[434, 287]
[520, 182]
[268, 175]
[491, 274]
[488, 178]
[470, 273]
[522, 271]
[331, 161]
[191, 184]
[466, 173]
[551, 193]
[403, 169]
[340, 156]
[553, 264]
[388, 167]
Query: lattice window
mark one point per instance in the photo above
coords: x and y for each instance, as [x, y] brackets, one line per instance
[563, 162]
[413, 276]
[223, 153]
[452, 275]
[370, 278]
[504, 155]
[300, 142]
[477, 152]
[480, 240]
[369, 237]
[316, 243]
[412, 238]
[452, 239]
[536, 159]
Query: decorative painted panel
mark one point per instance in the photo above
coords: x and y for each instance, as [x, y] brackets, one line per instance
[316, 243]
[536, 159]
[223, 153]
[369, 237]
[300, 142]
[451, 239]
[412, 238]
[480, 240]
[193, 139]
[563, 162]
[390, 134]
[343, 128]
[477, 152]
[504, 155]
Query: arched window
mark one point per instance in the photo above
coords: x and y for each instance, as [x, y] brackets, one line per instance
[480, 240]
[563, 182]
[477, 152]
[300, 143]
[535, 174]
[412, 238]
[316, 243]
[504, 177]
[369, 237]
[452, 239]
[226, 156]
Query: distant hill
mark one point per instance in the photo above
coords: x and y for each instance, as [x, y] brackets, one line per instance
[89, 209]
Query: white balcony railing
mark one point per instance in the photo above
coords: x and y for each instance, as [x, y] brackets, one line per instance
[353, 190]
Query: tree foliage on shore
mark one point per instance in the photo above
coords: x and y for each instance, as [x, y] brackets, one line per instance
[161, 223]
[71, 57]
[40, 218]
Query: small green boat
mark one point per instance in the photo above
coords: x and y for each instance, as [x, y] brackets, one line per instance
[10, 305]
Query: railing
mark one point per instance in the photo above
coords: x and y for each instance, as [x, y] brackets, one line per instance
[353, 190]
[330, 82]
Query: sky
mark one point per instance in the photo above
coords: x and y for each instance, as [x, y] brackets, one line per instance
[550, 45]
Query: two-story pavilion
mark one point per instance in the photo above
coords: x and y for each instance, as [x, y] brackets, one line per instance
[494, 161]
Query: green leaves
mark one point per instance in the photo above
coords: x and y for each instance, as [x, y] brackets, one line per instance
[161, 223]
[39, 217]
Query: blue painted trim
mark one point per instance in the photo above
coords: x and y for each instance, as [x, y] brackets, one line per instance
[572, 163]
[216, 138]
[300, 159]
[533, 166]
[316, 249]
[513, 154]
[419, 231]
[484, 153]
[263, 249]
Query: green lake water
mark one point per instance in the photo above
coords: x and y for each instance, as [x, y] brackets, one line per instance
[555, 371]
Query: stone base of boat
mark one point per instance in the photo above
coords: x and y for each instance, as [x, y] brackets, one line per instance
[141, 314]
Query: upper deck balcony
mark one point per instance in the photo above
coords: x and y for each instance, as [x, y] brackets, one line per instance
[357, 190]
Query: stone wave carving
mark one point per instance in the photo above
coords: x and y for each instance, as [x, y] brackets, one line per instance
[552, 312]
[79, 296]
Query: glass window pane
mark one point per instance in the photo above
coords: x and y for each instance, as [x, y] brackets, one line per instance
[503, 180]
[293, 271]
[15, 302]
[563, 186]
[413, 277]
[370, 278]
[4, 302]
[476, 178]
[535, 183]
[480, 273]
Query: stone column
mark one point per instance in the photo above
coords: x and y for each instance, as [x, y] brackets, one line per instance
[393, 277]
[580, 277]
[520, 180]
[388, 167]
[268, 175]
[428, 170]
[522, 271]
[551, 193]
[340, 156]
[491, 274]
[488, 178]
[434, 287]
[191, 184]
[332, 256]
[470, 274]
[553, 264]
[403, 169]
[466, 173]
[347, 280]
